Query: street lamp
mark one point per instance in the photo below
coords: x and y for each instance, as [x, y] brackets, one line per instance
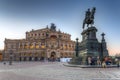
[10, 60]
[77, 47]
[103, 40]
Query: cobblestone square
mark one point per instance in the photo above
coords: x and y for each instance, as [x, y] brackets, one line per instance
[54, 71]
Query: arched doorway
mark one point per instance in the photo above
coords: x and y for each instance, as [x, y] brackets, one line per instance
[42, 56]
[36, 59]
[20, 59]
[53, 56]
[24, 59]
[30, 58]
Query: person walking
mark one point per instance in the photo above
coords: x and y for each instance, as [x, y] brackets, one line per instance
[98, 61]
[118, 63]
[89, 60]
[103, 64]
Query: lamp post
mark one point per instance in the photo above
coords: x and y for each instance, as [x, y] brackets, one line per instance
[77, 47]
[10, 59]
[103, 40]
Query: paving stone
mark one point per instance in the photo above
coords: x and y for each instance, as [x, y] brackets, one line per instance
[55, 71]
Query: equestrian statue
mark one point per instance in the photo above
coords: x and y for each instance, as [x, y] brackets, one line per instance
[89, 17]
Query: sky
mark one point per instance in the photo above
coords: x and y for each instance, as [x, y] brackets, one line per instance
[19, 16]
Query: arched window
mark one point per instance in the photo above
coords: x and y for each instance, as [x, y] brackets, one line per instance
[35, 34]
[37, 46]
[31, 46]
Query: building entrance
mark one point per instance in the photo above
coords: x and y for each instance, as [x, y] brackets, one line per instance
[30, 58]
[36, 58]
[53, 56]
[24, 59]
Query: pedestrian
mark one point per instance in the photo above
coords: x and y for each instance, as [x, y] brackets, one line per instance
[116, 60]
[103, 64]
[93, 61]
[89, 60]
[98, 61]
[118, 63]
[4, 63]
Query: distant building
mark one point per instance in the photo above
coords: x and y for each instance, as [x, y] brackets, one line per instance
[46, 43]
[1, 56]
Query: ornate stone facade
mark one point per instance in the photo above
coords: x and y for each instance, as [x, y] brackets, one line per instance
[47, 43]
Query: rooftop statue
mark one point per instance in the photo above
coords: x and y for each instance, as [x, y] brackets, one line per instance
[53, 27]
[89, 17]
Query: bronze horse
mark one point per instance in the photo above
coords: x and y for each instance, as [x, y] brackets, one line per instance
[89, 17]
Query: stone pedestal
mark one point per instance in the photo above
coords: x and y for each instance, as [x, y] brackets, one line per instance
[90, 47]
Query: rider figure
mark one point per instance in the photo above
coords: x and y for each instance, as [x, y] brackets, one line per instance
[89, 17]
[93, 12]
[88, 14]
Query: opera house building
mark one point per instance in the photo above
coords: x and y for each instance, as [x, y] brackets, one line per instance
[47, 43]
